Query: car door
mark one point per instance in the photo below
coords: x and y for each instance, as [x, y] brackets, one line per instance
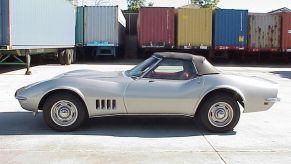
[163, 90]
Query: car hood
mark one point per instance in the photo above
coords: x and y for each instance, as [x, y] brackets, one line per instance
[91, 74]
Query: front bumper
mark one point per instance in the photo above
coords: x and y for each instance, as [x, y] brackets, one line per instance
[24, 101]
[272, 100]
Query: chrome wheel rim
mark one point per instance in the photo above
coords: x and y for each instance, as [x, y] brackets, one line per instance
[64, 113]
[220, 114]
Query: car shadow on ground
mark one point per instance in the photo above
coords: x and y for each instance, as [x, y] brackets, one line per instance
[23, 123]
[283, 74]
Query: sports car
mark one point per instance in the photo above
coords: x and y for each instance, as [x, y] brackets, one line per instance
[165, 84]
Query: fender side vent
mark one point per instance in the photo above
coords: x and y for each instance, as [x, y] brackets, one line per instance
[105, 104]
[113, 104]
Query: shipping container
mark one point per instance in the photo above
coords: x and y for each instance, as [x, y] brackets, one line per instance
[286, 32]
[103, 25]
[156, 27]
[100, 27]
[230, 29]
[35, 27]
[264, 32]
[194, 28]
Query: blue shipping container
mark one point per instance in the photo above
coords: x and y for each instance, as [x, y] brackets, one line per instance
[230, 29]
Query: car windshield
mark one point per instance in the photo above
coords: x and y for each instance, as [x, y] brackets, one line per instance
[141, 68]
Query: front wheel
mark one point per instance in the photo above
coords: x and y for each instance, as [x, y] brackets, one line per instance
[64, 112]
[219, 113]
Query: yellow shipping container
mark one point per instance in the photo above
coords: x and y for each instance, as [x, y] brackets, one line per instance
[194, 28]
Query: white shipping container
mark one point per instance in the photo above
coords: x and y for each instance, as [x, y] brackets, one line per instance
[104, 25]
[33, 24]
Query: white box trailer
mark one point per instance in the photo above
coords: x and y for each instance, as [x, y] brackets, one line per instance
[29, 27]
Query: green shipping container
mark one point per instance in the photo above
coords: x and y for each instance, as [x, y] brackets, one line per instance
[80, 26]
[194, 28]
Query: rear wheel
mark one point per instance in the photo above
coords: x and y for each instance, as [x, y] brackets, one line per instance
[68, 57]
[64, 112]
[219, 113]
[74, 56]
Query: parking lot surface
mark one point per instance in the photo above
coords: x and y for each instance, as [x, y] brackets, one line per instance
[263, 137]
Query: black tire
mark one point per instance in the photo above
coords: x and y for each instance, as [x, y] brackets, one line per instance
[61, 57]
[68, 57]
[48, 107]
[205, 108]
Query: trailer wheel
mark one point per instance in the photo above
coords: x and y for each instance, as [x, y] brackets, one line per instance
[68, 57]
[61, 57]
[73, 56]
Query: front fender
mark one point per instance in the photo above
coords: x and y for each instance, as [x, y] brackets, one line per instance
[75, 90]
[238, 91]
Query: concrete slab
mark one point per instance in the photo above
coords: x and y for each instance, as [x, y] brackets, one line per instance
[20, 131]
[75, 157]
[256, 157]
[24, 139]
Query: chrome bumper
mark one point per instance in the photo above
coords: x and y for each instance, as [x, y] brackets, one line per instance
[272, 100]
[20, 98]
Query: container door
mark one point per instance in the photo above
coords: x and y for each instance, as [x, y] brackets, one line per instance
[194, 27]
[100, 26]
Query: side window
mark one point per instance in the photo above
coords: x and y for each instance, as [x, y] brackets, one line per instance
[173, 69]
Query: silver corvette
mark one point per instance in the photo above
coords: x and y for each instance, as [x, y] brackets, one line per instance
[165, 84]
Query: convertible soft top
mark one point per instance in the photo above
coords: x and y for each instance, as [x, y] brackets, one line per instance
[202, 65]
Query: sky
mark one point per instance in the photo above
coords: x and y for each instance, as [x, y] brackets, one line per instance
[251, 5]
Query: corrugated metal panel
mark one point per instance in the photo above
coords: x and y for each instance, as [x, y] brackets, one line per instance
[42, 23]
[156, 27]
[230, 29]
[4, 22]
[286, 32]
[103, 24]
[131, 23]
[80, 26]
[194, 28]
[264, 32]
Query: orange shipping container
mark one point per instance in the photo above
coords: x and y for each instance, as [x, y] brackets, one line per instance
[286, 32]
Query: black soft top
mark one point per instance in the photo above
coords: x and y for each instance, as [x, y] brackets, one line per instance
[202, 65]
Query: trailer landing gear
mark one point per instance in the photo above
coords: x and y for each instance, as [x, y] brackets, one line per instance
[28, 59]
